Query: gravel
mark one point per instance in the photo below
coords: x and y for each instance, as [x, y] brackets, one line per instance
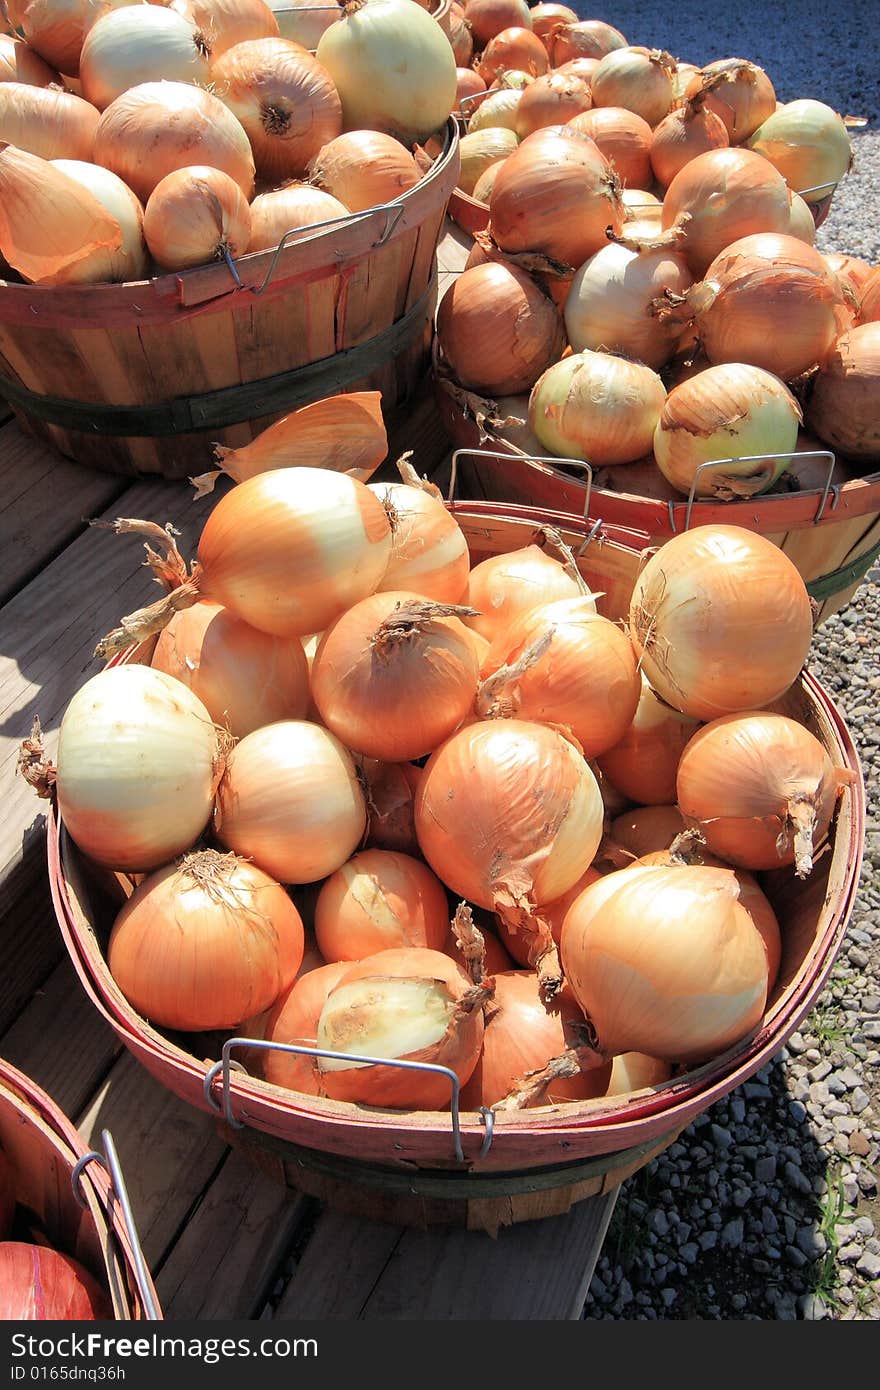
[767, 1206]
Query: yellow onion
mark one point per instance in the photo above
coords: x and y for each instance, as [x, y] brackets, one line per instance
[579, 67]
[285, 100]
[739, 92]
[487, 18]
[869, 298]
[504, 586]
[597, 407]
[47, 121]
[852, 271]
[53, 229]
[303, 21]
[743, 417]
[641, 206]
[157, 127]
[468, 84]
[485, 183]
[130, 261]
[55, 30]
[205, 943]
[588, 38]
[515, 48]
[609, 306]
[227, 22]
[480, 150]
[292, 207]
[195, 215]
[638, 79]
[21, 63]
[557, 196]
[727, 194]
[551, 100]
[499, 304]
[665, 961]
[458, 32]
[497, 109]
[429, 550]
[644, 761]
[293, 1021]
[644, 829]
[547, 17]
[378, 900]
[687, 131]
[136, 44]
[243, 677]
[808, 143]
[624, 138]
[844, 405]
[636, 1071]
[290, 801]
[760, 788]
[722, 621]
[364, 168]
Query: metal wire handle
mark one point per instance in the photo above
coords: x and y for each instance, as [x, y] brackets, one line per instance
[224, 1066]
[110, 1161]
[761, 458]
[393, 213]
[530, 458]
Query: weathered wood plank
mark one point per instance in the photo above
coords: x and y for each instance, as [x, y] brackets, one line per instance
[339, 1267]
[30, 943]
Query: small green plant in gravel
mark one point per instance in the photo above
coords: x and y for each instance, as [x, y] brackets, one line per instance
[834, 1210]
[826, 1024]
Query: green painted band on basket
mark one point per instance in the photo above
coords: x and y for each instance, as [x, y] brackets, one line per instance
[834, 583]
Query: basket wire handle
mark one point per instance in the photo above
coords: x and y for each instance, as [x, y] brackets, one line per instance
[110, 1161]
[530, 458]
[761, 458]
[393, 213]
[224, 1066]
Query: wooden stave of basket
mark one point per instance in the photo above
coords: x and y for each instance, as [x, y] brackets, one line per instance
[164, 369]
[44, 1149]
[538, 1159]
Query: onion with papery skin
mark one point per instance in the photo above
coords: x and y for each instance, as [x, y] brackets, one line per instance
[687, 131]
[457, 30]
[485, 183]
[205, 943]
[377, 901]
[546, 17]
[294, 1021]
[364, 168]
[500, 304]
[609, 306]
[551, 100]
[39, 1284]
[130, 261]
[303, 21]
[726, 194]
[21, 63]
[761, 790]
[53, 231]
[869, 299]
[739, 92]
[160, 126]
[243, 677]
[393, 67]
[395, 674]
[588, 38]
[562, 664]
[722, 621]
[504, 586]
[389, 789]
[290, 800]
[137, 766]
[809, 144]
[47, 121]
[644, 829]
[801, 223]
[228, 22]
[624, 138]
[579, 67]
[412, 1004]
[665, 961]
[285, 100]
[597, 407]
[553, 913]
[480, 150]
[467, 84]
[140, 43]
[55, 29]
[557, 197]
[729, 413]
[843, 408]
[851, 271]
[498, 109]
[515, 48]
[644, 762]
[429, 550]
[290, 208]
[487, 18]
[638, 79]
[194, 216]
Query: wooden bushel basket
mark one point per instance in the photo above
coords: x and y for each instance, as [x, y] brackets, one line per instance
[66, 1195]
[146, 377]
[426, 1168]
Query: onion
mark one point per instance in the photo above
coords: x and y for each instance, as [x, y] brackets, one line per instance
[294, 1020]
[285, 100]
[503, 587]
[52, 230]
[39, 1284]
[130, 261]
[640, 205]
[136, 44]
[290, 800]
[546, 17]
[485, 183]
[487, 18]
[196, 215]
[458, 32]
[225, 23]
[157, 127]
[644, 829]
[722, 620]
[514, 48]
[635, 1071]
[761, 789]
[684, 133]
[624, 139]
[412, 1004]
[394, 675]
[597, 407]
[644, 761]
[639, 79]
[728, 194]
[137, 766]
[609, 304]
[801, 223]
[46, 121]
[666, 961]
[378, 900]
[809, 144]
[551, 100]
[303, 21]
[290, 208]
[844, 406]
[364, 168]
[480, 150]
[244, 678]
[738, 92]
[429, 550]
[499, 108]
[852, 271]
[522, 1034]
[393, 67]
[55, 30]
[562, 664]
[499, 304]
[21, 63]
[389, 789]
[509, 815]
[869, 305]
[588, 38]
[467, 84]
[205, 943]
[555, 196]
[731, 413]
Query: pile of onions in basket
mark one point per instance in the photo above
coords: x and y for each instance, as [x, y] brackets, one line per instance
[406, 851]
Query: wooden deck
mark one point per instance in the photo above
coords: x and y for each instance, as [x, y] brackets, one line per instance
[222, 1240]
